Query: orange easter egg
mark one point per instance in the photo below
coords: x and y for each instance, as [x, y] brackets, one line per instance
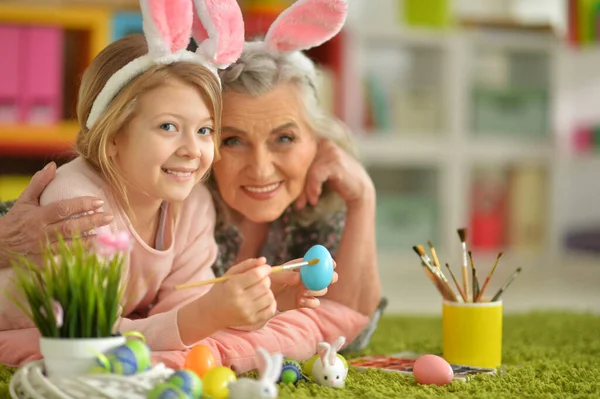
[431, 369]
[199, 360]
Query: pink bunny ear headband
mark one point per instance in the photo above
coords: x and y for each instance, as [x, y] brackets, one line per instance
[304, 25]
[168, 26]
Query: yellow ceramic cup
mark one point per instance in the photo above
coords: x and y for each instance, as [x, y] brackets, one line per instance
[472, 333]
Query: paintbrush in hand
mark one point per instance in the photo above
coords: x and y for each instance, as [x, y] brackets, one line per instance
[274, 269]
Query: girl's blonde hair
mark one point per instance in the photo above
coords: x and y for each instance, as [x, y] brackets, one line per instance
[92, 144]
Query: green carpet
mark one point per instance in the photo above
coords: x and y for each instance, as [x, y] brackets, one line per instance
[546, 355]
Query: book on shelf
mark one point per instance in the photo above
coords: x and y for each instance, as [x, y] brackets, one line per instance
[488, 209]
[42, 64]
[11, 37]
[509, 208]
[31, 74]
[527, 201]
[583, 22]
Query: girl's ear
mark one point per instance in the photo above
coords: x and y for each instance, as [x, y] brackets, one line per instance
[306, 24]
[111, 148]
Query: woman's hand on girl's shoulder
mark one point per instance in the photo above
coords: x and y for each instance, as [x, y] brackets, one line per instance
[342, 172]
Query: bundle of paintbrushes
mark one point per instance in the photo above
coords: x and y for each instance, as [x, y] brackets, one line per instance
[467, 291]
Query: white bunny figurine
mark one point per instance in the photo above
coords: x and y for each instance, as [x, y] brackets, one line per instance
[263, 388]
[330, 369]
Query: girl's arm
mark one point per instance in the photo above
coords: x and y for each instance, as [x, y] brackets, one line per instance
[176, 311]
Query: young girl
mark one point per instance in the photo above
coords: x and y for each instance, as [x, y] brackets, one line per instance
[149, 114]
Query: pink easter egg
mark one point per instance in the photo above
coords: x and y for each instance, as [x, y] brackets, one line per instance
[432, 369]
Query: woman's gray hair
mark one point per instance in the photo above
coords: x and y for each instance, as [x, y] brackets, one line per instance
[257, 72]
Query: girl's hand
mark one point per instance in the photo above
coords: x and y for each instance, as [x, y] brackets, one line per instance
[290, 293]
[246, 298]
[344, 174]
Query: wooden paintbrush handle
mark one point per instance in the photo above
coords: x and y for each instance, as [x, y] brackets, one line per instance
[205, 282]
[465, 279]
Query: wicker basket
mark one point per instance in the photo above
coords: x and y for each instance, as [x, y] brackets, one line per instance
[29, 382]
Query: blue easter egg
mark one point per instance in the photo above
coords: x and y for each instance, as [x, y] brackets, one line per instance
[131, 358]
[319, 276]
[166, 391]
[188, 382]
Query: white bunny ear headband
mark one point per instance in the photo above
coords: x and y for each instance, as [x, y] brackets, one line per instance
[304, 25]
[217, 27]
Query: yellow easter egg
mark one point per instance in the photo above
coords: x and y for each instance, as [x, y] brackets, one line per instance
[308, 365]
[216, 382]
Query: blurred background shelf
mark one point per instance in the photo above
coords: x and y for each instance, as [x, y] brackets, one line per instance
[37, 140]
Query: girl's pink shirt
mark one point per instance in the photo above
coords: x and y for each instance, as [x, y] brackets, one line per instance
[151, 301]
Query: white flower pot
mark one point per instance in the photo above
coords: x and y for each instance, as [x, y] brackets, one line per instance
[67, 357]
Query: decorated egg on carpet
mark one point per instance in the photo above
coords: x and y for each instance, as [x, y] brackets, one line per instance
[216, 382]
[291, 372]
[199, 360]
[188, 381]
[319, 276]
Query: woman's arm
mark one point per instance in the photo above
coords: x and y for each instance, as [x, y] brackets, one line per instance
[24, 223]
[359, 286]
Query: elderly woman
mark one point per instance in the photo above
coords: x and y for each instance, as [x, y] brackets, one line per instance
[287, 180]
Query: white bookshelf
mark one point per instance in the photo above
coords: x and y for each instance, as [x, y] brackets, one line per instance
[453, 151]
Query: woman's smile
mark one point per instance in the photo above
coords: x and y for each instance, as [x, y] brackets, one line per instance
[262, 192]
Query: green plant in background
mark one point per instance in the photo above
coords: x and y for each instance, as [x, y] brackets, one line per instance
[75, 293]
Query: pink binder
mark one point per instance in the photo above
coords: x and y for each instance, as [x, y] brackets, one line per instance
[42, 55]
[10, 43]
